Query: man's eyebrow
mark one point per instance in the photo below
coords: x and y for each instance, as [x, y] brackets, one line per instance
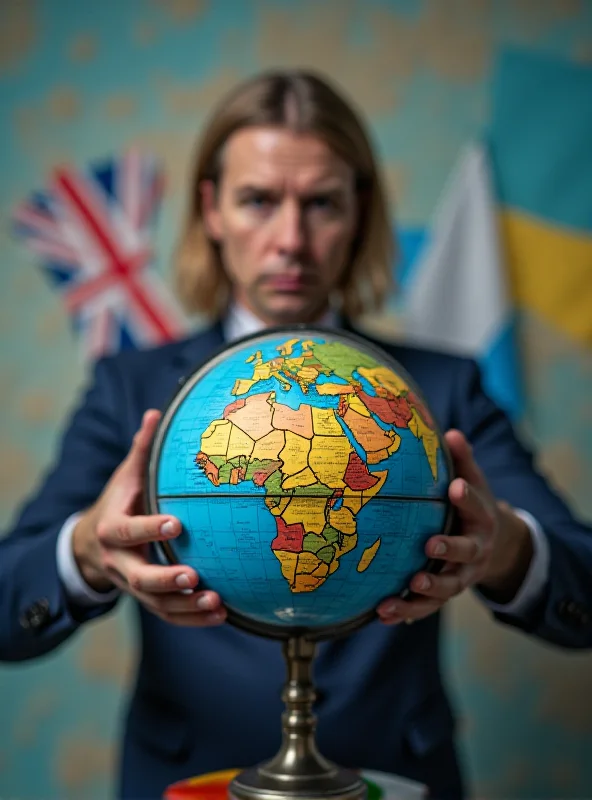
[330, 189]
[249, 188]
[322, 189]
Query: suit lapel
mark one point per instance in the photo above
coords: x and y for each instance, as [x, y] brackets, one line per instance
[194, 351]
[181, 360]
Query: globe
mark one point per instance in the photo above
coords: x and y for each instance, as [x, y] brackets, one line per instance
[307, 473]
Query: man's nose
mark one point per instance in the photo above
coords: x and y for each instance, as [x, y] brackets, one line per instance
[290, 231]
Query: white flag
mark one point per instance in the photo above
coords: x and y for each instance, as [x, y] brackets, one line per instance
[457, 298]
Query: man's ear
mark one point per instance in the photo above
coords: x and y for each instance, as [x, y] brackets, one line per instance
[210, 211]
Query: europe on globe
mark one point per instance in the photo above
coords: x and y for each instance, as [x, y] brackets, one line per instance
[308, 474]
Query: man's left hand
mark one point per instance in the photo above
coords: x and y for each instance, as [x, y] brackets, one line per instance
[493, 550]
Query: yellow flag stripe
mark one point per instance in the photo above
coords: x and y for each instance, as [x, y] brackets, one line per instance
[551, 272]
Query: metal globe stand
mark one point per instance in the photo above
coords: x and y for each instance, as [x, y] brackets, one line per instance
[298, 770]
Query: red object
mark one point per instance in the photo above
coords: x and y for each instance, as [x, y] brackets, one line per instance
[213, 786]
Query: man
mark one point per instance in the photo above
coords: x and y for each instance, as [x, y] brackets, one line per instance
[288, 223]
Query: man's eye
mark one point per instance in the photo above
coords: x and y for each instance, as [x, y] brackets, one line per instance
[322, 202]
[258, 201]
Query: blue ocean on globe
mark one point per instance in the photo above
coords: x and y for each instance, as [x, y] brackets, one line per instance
[307, 474]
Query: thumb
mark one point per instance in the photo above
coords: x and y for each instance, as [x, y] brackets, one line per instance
[462, 455]
[136, 458]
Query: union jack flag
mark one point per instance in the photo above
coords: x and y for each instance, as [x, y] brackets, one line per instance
[92, 231]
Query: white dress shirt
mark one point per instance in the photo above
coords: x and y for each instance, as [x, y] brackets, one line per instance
[241, 322]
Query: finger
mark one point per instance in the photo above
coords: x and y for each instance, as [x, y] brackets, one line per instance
[206, 604]
[122, 530]
[176, 603]
[462, 455]
[203, 620]
[473, 506]
[132, 567]
[464, 549]
[443, 586]
[395, 609]
[136, 458]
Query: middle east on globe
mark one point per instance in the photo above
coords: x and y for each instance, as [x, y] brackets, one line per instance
[308, 474]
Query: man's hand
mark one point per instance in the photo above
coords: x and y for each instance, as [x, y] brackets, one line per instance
[493, 550]
[111, 542]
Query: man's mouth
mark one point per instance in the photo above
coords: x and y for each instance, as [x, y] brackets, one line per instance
[288, 283]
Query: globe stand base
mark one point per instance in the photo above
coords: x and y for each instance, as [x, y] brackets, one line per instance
[298, 771]
[341, 785]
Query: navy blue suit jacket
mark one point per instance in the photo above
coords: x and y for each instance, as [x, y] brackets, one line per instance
[207, 699]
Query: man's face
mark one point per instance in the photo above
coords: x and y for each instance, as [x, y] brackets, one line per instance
[285, 216]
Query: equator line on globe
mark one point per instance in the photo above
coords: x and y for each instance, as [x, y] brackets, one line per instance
[308, 475]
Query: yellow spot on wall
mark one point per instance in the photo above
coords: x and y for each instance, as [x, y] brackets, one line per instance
[18, 31]
[144, 33]
[182, 11]
[63, 103]
[198, 98]
[36, 710]
[27, 121]
[82, 759]
[36, 407]
[51, 325]
[120, 105]
[17, 473]
[396, 180]
[83, 48]
[106, 653]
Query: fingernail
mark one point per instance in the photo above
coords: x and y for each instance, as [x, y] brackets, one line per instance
[167, 528]
[183, 581]
[390, 608]
[440, 549]
[216, 616]
[203, 603]
[424, 583]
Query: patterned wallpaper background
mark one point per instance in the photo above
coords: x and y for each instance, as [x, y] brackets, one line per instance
[80, 81]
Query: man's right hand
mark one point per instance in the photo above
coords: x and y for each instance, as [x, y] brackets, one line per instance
[111, 545]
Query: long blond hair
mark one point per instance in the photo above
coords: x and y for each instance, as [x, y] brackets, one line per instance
[303, 103]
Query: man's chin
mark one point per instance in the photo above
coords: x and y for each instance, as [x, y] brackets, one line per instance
[290, 309]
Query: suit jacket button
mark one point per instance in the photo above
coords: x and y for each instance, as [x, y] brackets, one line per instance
[36, 616]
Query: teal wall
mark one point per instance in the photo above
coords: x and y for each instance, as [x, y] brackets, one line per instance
[83, 80]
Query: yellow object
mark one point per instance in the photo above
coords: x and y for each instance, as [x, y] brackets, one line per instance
[551, 272]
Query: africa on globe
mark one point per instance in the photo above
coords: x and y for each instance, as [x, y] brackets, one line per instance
[307, 473]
